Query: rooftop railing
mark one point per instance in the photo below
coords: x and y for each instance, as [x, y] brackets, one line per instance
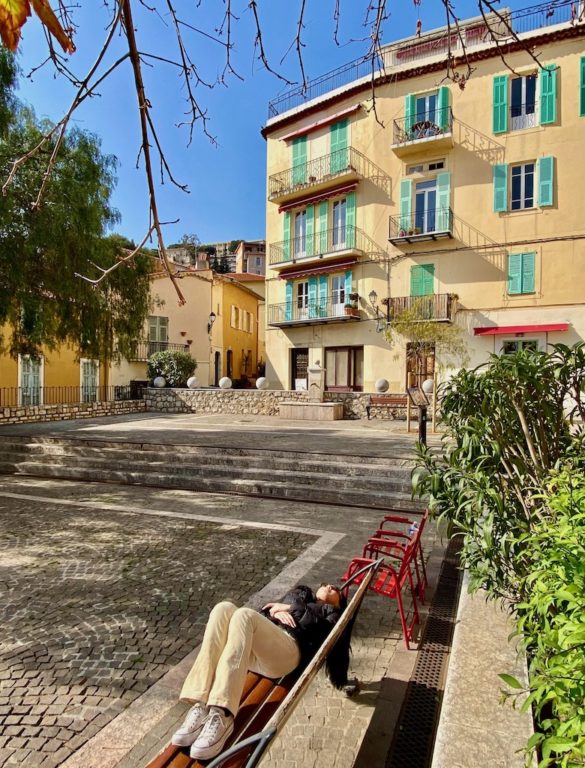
[475, 33]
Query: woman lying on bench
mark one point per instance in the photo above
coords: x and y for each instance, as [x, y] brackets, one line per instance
[272, 643]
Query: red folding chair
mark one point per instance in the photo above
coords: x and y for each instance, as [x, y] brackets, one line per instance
[413, 535]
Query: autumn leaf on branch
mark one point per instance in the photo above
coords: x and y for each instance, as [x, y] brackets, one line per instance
[13, 16]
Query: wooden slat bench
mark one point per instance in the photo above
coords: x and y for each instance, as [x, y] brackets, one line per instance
[267, 704]
[394, 403]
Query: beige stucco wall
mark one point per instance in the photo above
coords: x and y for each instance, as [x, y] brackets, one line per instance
[465, 265]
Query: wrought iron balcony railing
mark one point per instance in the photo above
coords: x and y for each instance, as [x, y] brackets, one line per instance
[144, 349]
[414, 128]
[328, 241]
[305, 312]
[439, 307]
[88, 393]
[425, 224]
[314, 171]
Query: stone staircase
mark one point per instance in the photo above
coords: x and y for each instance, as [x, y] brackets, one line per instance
[301, 476]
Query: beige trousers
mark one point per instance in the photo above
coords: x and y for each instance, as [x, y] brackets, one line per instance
[237, 640]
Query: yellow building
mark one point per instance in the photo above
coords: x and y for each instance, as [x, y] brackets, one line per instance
[462, 201]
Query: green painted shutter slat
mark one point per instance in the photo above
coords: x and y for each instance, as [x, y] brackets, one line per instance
[312, 297]
[443, 116]
[323, 290]
[416, 281]
[500, 187]
[348, 284]
[428, 279]
[405, 204]
[286, 235]
[443, 201]
[338, 133]
[409, 111]
[288, 307]
[546, 172]
[350, 216]
[299, 152]
[310, 231]
[528, 273]
[515, 273]
[582, 89]
[500, 104]
[323, 212]
[548, 94]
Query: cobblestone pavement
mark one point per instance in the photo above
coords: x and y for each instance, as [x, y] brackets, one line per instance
[98, 605]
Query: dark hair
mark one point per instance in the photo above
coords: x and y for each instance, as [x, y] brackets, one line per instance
[337, 662]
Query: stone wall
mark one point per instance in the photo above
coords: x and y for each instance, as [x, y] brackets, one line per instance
[256, 402]
[22, 414]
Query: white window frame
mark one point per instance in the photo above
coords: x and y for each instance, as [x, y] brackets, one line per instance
[427, 114]
[523, 174]
[339, 228]
[540, 342]
[300, 238]
[97, 378]
[524, 119]
[302, 298]
[338, 295]
[41, 379]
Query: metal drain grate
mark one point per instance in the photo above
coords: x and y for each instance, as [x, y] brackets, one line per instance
[412, 746]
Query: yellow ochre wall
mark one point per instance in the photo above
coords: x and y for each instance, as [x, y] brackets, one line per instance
[228, 293]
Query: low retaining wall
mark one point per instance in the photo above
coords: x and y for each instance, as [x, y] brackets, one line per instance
[22, 414]
[256, 402]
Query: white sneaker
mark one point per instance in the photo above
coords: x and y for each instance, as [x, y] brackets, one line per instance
[216, 731]
[192, 726]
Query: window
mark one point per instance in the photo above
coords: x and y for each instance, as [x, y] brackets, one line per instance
[422, 280]
[437, 165]
[338, 294]
[523, 102]
[509, 347]
[235, 317]
[302, 298]
[300, 233]
[425, 108]
[89, 380]
[521, 273]
[31, 377]
[158, 334]
[344, 369]
[299, 160]
[425, 199]
[522, 186]
[339, 218]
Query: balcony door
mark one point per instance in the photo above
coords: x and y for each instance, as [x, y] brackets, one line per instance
[339, 221]
[425, 206]
[299, 364]
[89, 380]
[523, 103]
[337, 295]
[158, 334]
[30, 380]
[426, 108]
[300, 249]
[302, 300]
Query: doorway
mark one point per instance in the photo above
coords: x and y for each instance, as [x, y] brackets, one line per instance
[299, 368]
[216, 369]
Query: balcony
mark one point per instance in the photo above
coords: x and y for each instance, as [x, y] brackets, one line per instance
[327, 245]
[310, 313]
[428, 224]
[438, 307]
[144, 349]
[414, 136]
[316, 175]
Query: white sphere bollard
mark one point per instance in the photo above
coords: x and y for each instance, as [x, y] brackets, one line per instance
[160, 382]
[382, 385]
[427, 386]
[262, 383]
[192, 382]
[225, 382]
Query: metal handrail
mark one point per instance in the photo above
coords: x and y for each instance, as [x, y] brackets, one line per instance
[13, 397]
[314, 171]
[475, 33]
[436, 306]
[411, 129]
[331, 240]
[435, 220]
[319, 309]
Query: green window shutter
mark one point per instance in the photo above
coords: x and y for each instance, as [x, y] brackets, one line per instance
[500, 188]
[350, 214]
[548, 94]
[348, 284]
[582, 92]
[323, 211]
[515, 273]
[428, 279]
[528, 273]
[500, 104]
[286, 236]
[443, 201]
[409, 111]
[310, 231]
[339, 154]
[546, 172]
[405, 204]
[288, 307]
[416, 281]
[323, 291]
[443, 114]
[299, 152]
[312, 297]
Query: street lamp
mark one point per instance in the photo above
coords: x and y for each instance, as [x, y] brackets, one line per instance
[210, 321]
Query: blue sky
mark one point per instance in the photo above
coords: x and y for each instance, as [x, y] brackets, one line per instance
[227, 182]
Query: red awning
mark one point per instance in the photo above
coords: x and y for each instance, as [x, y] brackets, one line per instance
[318, 269]
[342, 189]
[500, 330]
[320, 123]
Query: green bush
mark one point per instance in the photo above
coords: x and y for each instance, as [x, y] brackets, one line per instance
[174, 367]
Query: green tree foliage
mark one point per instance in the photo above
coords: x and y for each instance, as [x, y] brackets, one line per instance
[174, 367]
[42, 248]
[224, 265]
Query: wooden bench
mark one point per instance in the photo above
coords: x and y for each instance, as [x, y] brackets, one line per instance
[267, 704]
[391, 402]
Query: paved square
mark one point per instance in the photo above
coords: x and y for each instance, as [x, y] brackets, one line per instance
[97, 605]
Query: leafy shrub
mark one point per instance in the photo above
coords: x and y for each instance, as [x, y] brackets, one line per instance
[174, 367]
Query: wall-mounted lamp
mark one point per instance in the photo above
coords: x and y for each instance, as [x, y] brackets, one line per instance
[210, 321]
[381, 322]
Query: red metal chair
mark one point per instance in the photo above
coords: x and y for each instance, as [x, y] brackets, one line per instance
[390, 580]
[403, 537]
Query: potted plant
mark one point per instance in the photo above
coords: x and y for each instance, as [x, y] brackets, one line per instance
[351, 308]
